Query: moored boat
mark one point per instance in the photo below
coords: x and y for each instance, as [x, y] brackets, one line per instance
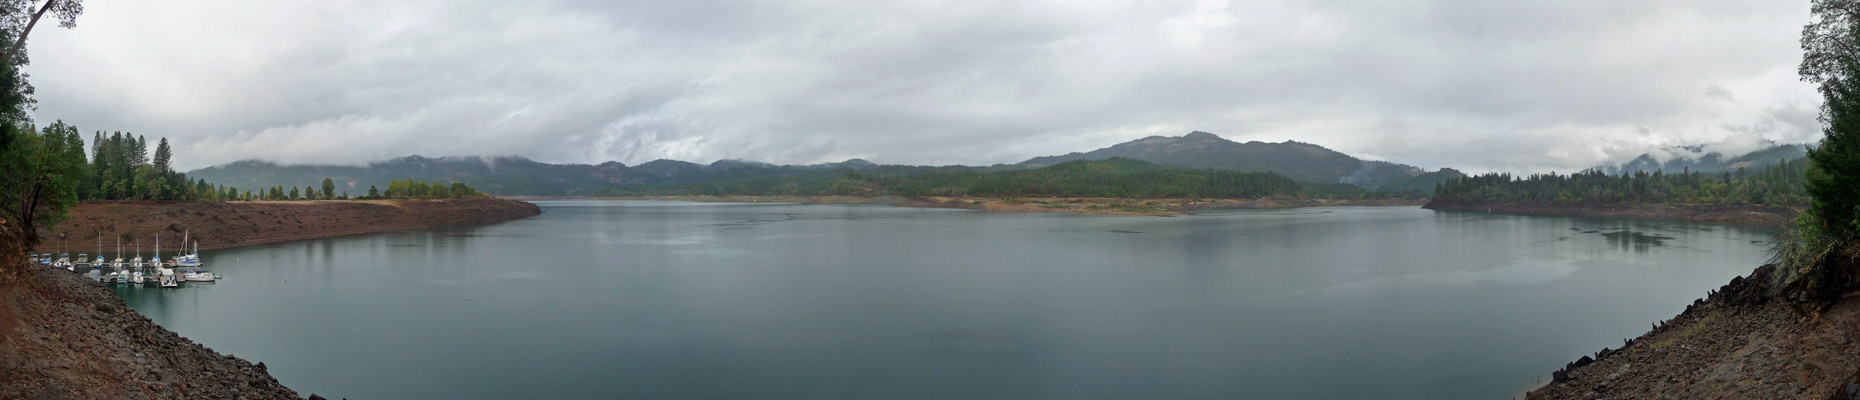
[194, 274]
[168, 279]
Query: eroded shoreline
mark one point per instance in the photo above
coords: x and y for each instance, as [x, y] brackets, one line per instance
[219, 225]
[64, 336]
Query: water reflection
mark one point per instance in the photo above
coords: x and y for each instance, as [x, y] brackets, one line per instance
[677, 300]
[1639, 242]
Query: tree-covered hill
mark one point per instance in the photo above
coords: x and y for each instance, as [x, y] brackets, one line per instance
[493, 175]
[1316, 168]
[1779, 185]
[1300, 161]
[1697, 159]
[1115, 177]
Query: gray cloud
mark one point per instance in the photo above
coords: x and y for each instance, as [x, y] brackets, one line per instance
[1472, 84]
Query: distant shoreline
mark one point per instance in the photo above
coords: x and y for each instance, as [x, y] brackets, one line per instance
[1704, 212]
[1161, 207]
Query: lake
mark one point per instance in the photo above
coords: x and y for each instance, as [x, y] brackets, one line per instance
[630, 299]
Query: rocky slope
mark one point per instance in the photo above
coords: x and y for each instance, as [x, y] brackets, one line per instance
[1743, 341]
[63, 336]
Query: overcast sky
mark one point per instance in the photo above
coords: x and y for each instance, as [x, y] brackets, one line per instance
[1473, 84]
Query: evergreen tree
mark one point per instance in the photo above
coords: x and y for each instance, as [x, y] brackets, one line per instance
[162, 156]
[372, 193]
[329, 188]
[1829, 59]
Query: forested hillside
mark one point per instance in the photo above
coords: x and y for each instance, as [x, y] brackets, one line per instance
[1116, 177]
[1780, 184]
[1696, 159]
[1300, 161]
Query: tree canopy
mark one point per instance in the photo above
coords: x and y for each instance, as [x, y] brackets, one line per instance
[1779, 184]
[1831, 59]
[1115, 177]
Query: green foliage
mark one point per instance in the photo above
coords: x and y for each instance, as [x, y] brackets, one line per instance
[329, 189]
[411, 189]
[1799, 249]
[1834, 178]
[1779, 184]
[39, 176]
[1115, 177]
[121, 169]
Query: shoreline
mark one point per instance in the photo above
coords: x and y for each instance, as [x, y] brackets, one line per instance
[1701, 212]
[220, 225]
[64, 336]
[1739, 341]
[1158, 207]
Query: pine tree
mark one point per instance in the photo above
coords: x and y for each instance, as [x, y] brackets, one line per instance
[1829, 60]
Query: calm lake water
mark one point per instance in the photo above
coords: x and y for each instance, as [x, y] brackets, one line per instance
[609, 299]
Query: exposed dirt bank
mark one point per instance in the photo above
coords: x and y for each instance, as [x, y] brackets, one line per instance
[230, 224]
[1738, 343]
[63, 336]
[1742, 213]
[1081, 205]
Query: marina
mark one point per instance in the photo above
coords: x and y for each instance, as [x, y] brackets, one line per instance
[155, 271]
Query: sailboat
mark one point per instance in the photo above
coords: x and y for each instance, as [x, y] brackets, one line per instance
[164, 274]
[64, 257]
[188, 260]
[121, 273]
[152, 273]
[194, 274]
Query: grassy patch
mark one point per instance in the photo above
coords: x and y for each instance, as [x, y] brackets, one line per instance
[1687, 332]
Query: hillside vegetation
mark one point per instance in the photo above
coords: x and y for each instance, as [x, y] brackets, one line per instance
[1116, 177]
[1776, 185]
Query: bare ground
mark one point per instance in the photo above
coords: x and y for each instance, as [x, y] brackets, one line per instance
[65, 337]
[1741, 342]
[219, 225]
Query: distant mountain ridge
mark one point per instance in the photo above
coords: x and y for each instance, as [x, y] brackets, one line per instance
[1297, 160]
[502, 175]
[510, 175]
[1697, 159]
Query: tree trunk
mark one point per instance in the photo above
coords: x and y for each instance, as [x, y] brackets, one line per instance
[21, 41]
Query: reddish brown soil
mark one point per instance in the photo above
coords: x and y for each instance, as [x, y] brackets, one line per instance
[65, 337]
[1739, 343]
[1741, 213]
[221, 225]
